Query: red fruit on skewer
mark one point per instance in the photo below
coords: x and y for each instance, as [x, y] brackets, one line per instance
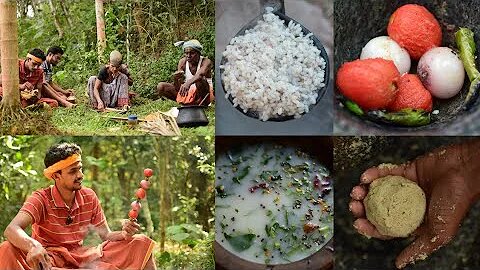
[136, 205]
[145, 184]
[140, 193]
[133, 214]
[148, 172]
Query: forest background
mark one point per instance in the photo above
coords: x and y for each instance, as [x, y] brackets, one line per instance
[178, 212]
[142, 30]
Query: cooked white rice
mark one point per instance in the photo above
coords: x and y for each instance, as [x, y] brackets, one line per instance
[273, 69]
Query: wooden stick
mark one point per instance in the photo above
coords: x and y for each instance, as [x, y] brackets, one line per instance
[201, 102]
[121, 118]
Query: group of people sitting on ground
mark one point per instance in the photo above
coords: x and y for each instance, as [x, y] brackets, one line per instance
[192, 82]
[35, 80]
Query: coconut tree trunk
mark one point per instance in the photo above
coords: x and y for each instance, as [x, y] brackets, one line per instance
[101, 39]
[9, 57]
[55, 18]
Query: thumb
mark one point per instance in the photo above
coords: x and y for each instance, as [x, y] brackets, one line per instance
[419, 249]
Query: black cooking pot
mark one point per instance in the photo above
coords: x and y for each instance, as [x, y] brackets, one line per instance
[192, 116]
[356, 22]
[320, 148]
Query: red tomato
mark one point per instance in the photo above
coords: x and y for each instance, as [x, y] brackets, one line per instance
[133, 214]
[148, 172]
[140, 193]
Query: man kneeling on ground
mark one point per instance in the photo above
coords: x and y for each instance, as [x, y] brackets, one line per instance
[193, 79]
[61, 215]
[65, 98]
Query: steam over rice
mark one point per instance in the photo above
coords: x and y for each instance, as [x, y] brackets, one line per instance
[273, 69]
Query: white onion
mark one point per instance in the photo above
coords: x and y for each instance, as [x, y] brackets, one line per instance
[386, 48]
[441, 72]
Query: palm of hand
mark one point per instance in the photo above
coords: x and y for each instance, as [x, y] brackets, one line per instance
[442, 177]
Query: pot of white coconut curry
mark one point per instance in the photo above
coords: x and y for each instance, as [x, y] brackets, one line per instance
[274, 206]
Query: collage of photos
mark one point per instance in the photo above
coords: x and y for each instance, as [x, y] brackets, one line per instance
[239, 135]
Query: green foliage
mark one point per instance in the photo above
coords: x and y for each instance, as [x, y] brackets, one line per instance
[85, 121]
[113, 168]
[200, 257]
[143, 31]
[17, 175]
[185, 209]
[188, 234]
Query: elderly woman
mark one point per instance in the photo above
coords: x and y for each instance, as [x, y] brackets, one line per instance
[110, 88]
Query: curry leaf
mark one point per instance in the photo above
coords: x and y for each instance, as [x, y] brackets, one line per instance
[240, 242]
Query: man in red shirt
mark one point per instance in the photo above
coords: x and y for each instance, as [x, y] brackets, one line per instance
[31, 80]
[61, 216]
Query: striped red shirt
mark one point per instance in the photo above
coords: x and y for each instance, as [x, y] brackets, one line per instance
[34, 77]
[49, 214]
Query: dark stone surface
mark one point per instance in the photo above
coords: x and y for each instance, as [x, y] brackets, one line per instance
[356, 22]
[230, 17]
[353, 155]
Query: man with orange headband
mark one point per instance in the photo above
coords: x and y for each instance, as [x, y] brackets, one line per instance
[31, 80]
[192, 82]
[61, 215]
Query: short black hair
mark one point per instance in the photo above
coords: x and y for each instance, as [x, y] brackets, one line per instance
[55, 50]
[60, 152]
[38, 53]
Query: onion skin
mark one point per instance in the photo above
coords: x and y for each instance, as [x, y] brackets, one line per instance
[388, 49]
[441, 72]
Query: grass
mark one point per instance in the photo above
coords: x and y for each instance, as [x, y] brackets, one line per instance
[83, 120]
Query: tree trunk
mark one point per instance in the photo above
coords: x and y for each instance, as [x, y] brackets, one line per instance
[101, 39]
[124, 187]
[96, 155]
[148, 217]
[203, 202]
[162, 152]
[9, 57]
[55, 18]
[66, 13]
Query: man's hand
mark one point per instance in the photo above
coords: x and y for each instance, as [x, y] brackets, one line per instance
[178, 75]
[130, 227]
[26, 86]
[69, 92]
[184, 89]
[443, 175]
[38, 258]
